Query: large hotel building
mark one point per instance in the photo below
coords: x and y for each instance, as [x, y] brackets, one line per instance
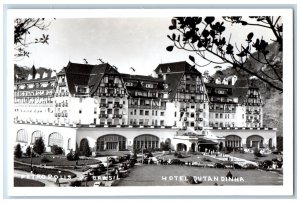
[112, 111]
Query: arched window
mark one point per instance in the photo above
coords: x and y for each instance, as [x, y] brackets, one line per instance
[22, 136]
[111, 142]
[56, 139]
[233, 141]
[36, 135]
[69, 143]
[145, 142]
[254, 141]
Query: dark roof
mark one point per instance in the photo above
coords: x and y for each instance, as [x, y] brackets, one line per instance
[233, 91]
[181, 66]
[86, 75]
[128, 77]
[173, 81]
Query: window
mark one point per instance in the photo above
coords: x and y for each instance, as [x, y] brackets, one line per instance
[147, 113]
[95, 110]
[80, 111]
[175, 114]
[95, 120]
[109, 111]
[55, 139]
[162, 123]
[242, 116]
[162, 113]
[141, 112]
[217, 115]
[221, 115]
[192, 115]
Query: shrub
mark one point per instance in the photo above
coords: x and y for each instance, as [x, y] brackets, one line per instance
[72, 157]
[45, 159]
[18, 151]
[39, 146]
[56, 150]
[257, 153]
[28, 151]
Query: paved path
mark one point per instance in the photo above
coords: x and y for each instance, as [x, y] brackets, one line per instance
[236, 160]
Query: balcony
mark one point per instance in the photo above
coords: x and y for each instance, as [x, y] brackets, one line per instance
[117, 116]
[199, 110]
[103, 116]
[199, 119]
[116, 105]
[103, 105]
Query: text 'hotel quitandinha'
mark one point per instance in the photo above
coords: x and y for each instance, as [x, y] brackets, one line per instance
[110, 111]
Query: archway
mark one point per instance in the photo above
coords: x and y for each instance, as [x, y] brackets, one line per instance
[181, 147]
[233, 141]
[254, 141]
[84, 143]
[147, 141]
[56, 139]
[22, 136]
[111, 142]
[36, 135]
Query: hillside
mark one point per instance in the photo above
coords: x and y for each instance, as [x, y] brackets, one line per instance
[272, 98]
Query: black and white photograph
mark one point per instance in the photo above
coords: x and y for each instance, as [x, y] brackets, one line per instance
[175, 100]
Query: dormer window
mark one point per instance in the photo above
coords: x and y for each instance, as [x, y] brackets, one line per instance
[82, 89]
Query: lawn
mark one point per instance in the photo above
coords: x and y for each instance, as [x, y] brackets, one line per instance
[165, 175]
[58, 161]
[43, 171]
[19, 182]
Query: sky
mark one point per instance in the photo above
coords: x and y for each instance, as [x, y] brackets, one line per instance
[123, 42]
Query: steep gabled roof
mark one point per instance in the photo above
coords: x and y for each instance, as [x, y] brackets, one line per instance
[86, 75]
[181, 66]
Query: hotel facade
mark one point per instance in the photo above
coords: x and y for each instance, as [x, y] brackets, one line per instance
[111, 111]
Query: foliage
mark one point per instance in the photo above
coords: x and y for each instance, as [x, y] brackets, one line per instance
[45, 159]
[28, 151]
[257, 153]
[39, 146]
[57, 150]
[72, 156]
[18, 151]
[207, 38]
[85, 150]
[22, 31]
[165, 146]
[280, 143]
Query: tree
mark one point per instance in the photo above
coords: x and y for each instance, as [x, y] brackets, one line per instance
[205, 37]
[86, 150]
[39, 146]
[28, 151]
[18, 151]
[22, 30]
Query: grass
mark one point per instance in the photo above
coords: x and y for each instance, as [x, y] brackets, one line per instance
[43, 171]
[19, 182]
[58, 161]
[151, 175]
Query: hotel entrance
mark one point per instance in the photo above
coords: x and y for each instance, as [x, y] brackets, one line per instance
[111, 143]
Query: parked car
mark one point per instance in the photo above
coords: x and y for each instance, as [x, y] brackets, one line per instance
[176, 162]
[249, 166]
[219, 165]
